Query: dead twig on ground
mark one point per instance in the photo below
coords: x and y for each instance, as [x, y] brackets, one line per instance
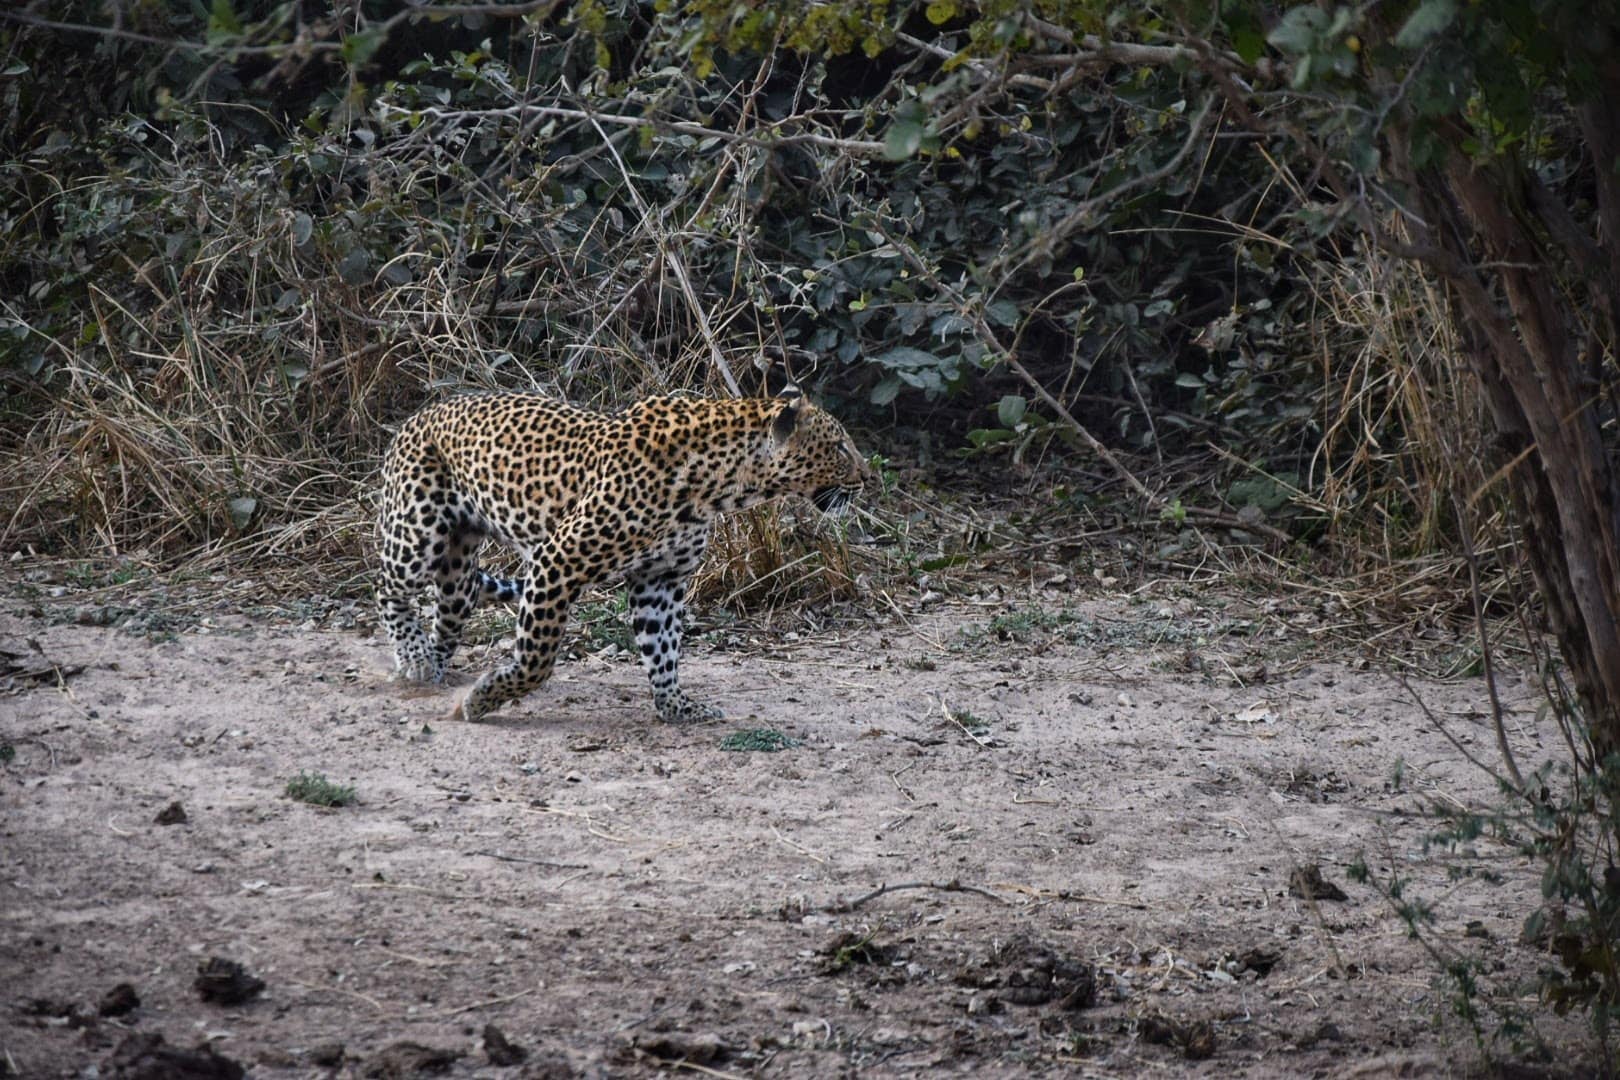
[953, 885]
[534, 862]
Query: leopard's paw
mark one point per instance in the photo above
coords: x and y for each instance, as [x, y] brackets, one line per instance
[683, 710]
[419, 665]
[460, 714]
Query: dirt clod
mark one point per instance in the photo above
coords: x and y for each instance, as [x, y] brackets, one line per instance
[1037, 974]
[1260, 961]
[846, 949]
[403, 1060]
[225, 982]
[1198, 1041]
[146, 1056]
[1307, 883]
[499, 1049]
[1195, 1039]
[328, 1055]
[679, 1046]
[173, 814]
[120, 1000]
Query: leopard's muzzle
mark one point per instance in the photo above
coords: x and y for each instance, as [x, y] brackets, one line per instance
[833, 499]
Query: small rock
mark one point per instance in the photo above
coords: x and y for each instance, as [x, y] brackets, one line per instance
[1307, 883]
[499, 1049]
[145, 1056]
[407, 1059]
[119, 1000]
[1327, 1031]
[328, 1055]
[679, 1046]
[173, 814]
[225, 982]
[1198, 1041]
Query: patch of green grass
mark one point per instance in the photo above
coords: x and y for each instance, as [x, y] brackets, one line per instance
[317, 790]
[8, 753]
[488, 625]
[973, 725]
[93, 575]
[605, 623]
[760, 740]
[1025, 623]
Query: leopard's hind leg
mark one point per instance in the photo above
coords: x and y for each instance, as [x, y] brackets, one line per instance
[457, 581]
[427, 536]
[405, 544]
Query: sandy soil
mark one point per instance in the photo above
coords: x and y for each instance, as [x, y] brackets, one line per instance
[1121, 792]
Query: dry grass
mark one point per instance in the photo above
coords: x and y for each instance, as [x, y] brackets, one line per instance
[232, 404]
[228, 408]
[1402, 469]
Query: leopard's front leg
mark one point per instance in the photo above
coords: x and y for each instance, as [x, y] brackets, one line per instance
[657, 610]
[542, 614]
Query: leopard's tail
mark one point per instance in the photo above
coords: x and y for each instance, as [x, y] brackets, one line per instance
[506, 590]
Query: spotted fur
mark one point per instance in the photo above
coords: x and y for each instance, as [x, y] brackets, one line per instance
[583, 497]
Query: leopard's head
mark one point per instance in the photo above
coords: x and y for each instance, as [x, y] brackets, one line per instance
[814, 455]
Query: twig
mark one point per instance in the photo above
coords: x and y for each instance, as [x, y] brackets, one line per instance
[486, 1004]
[1085, 898]
[667, 250]
[1517, 789]
[951, 716]
[942, 886]
[895, 778]
[535, 862]
[1466, 532]
[681, 1063]
[373, 1002]
[800, 848]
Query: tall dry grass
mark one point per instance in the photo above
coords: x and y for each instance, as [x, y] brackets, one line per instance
[223, 391]
[1403, 473]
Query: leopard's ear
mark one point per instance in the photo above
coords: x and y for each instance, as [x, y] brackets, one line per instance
[790, 392]
[786, 419]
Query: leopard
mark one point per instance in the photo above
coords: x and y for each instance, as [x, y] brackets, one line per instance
[583, 497]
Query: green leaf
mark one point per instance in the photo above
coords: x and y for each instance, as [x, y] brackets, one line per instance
[1364, 155]
[905, 358]
[16, 67]
[1299, 30]
[222, 19]
[241, 510]
[1011, 409]
[941, 12]
[1002, 313]
[886, 391]
[980, 438]
[302, 229]
[1428, 19]
[1188, 381]
[1248, 43]
[906, 132]
[902, 140]
[361, 47]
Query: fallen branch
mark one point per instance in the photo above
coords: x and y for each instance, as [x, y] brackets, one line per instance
[534, 862]
[940, 886]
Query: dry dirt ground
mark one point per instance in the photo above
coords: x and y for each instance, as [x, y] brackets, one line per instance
[1087, 812]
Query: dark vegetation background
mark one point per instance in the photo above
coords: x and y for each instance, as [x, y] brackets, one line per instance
[245, 265]
[1333, 284]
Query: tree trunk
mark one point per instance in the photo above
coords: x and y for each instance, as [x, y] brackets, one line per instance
[1491, 241]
